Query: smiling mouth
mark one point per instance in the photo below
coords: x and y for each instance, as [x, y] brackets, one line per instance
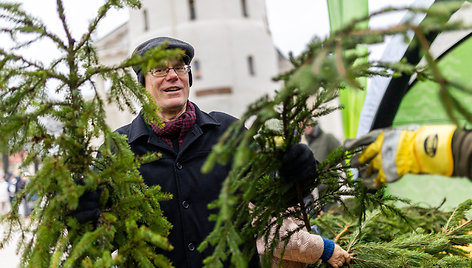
[173, 89]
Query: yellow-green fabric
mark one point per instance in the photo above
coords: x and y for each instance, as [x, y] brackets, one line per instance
[341, 13]
[432, 190]
[422, 105]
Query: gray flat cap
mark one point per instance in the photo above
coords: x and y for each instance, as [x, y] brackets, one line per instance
[172, 43]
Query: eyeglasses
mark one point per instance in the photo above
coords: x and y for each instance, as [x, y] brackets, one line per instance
[161, 72]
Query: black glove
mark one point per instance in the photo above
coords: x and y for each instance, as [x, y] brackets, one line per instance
[298, 164]
[88, 208]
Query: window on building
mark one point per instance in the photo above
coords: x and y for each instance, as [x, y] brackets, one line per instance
[196, 70]
[250, 65]
[191, 4]
[244, 8]
[146, 20]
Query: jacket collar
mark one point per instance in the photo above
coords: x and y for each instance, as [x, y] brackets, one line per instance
[139, 127]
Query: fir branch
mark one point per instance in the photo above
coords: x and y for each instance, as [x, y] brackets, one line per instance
[62, 17]
[457, 217]
[320, 71]
[69, 156]
[25, 23]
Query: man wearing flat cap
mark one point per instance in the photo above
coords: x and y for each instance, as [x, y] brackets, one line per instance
[185, 141]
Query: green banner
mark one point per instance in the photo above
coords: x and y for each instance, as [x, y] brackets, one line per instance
[423, 105]
[341, 13]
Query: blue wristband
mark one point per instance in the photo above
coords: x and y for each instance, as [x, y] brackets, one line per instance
[328, 249]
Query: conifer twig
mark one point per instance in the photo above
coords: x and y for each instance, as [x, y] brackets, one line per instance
[340, 234]
[459, 227]
[302, 206]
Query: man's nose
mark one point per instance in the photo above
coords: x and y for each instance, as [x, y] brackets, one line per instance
[171, 73]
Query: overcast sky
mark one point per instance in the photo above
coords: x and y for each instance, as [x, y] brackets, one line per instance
[293, 23]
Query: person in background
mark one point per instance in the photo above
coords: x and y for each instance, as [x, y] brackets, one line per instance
[21, 182]
[320, 142]
[11, 187]
[4, 197]
[185, 141]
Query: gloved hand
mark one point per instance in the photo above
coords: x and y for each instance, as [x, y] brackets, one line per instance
[298, 164]
[392, 153]
[88, 208]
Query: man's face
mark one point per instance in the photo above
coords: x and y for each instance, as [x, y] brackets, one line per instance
[308, 130]
[170, 92]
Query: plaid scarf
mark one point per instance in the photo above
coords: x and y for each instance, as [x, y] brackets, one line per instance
[177, 128]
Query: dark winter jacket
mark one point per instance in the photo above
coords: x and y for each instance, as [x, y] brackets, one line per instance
[179, 174]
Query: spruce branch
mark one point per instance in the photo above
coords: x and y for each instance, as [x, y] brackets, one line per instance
[24, 23]
[67, 155]
[326, 67]
[421, 238]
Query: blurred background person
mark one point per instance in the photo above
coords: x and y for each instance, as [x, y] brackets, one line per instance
[320, 142]
[4, 196]
[11, 179]
[21, 182]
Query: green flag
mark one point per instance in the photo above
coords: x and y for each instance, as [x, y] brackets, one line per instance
[342, 12]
